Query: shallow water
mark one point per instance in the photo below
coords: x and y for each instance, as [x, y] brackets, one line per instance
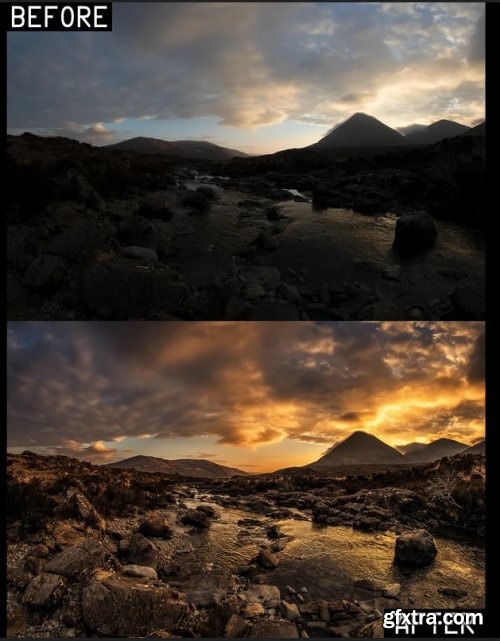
[328, 245]
[327, 560]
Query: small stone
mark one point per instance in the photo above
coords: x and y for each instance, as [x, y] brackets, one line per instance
[140, 571]
[253, 610]
[392, 590]
[267, 559]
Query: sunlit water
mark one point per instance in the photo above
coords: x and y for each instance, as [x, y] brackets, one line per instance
[327, 560]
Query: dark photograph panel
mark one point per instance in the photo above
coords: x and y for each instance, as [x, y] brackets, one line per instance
[251, 161]
[239, 479]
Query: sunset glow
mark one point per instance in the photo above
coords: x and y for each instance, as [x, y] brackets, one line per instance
[258, 396]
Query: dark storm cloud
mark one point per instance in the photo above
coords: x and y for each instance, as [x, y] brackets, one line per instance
[83, 386]
[250, 64]
[476, 369]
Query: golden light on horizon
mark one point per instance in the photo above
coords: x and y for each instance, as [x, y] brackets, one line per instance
[259, 396]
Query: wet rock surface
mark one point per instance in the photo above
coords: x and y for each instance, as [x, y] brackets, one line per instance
[92, 566]
[120, 235]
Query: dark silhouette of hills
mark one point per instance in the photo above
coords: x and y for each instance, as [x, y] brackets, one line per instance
[437, 131]
[411, 447]
[436, 450]
[193, 149]
[185, 467]
[360, 448]
[478, 130]
[360, 130]
[478, 448]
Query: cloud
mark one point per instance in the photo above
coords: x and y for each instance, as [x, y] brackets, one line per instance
[87, 386]
[251, 65]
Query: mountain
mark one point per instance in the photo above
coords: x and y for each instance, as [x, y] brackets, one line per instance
[184, 466]
[478, 448]
[194, 149]
[357, 449]
[411, 447]
[436, 450]
[437, 131]
[360, 130]
[478, 130]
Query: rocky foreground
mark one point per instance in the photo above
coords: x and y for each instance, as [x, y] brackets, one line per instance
[102, 234]
[108, 552]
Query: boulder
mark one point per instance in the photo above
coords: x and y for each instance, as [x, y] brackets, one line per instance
[265, 594]
[157, 528]
[155, 207]
[44, 273]
[289, 610]
[140, 253]
[142, 551]
[207, 509]
[267, 559]
[45, 591]
[210, 587]
[415, 549]
[126, 607]
[65, 535]
[196, 518]
[253, 610]
[236, 627]
[265, 628]
[78, 560]
[142, 571]
[87, 512]
[280, 544]
[139, 232]
[415, 231]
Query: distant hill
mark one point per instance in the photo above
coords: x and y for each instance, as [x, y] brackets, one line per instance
[186, 467]
[360, 130]
[194, 149]
[411, 447]
[436, 450]
[478, 130]
[437, 131]
[360, 448]
[478, 448]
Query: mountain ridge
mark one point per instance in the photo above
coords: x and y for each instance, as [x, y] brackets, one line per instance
[192, 149]
[185, 467]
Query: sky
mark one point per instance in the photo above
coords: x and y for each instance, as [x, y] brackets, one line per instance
[259, 77]
[257, 396]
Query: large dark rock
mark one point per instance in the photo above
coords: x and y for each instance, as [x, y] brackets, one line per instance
[197, 518]
[45, 591]
[158, 528]
[87, 512]
[415, 231]
[44, 273]
[127, 607]
[142, 551]
[78, 560]
[415, 549]
[118, 289]
[138, 231]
